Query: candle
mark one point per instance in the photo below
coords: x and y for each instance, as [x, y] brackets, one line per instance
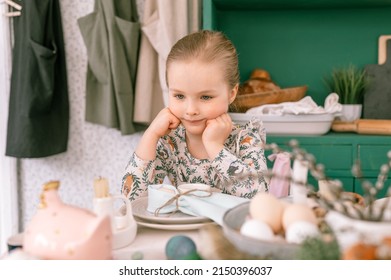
[101, 187]
[299, 176]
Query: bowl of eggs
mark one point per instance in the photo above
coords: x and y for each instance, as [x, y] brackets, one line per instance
[270, 228]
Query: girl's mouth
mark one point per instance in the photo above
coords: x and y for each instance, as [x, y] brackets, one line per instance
[194, 122]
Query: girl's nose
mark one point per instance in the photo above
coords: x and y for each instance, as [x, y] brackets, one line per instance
[192, 109]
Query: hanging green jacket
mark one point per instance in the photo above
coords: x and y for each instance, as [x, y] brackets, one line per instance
[38, 108]
[111, 35]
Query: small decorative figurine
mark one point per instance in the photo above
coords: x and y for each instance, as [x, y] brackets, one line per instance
[64, 232]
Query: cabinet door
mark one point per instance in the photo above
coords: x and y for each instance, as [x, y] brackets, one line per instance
[372, 158]
[333, 157]
[337, 160]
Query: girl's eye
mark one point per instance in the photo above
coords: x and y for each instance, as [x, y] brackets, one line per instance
[205, 97]
[179, 96]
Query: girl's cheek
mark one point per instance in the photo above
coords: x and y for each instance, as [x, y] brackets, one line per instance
[174, 108]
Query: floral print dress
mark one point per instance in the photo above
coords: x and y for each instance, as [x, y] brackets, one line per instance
[236, 170]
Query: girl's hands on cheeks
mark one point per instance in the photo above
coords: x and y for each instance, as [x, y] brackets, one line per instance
[163, 123]
[216, 132]
[160, 126]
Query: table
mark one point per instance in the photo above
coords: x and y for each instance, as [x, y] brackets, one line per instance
[152, 242]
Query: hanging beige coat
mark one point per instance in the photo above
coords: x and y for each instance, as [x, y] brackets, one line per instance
[164, 23]
[111, 35]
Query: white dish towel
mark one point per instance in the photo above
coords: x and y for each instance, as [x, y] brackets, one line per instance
[304, 106]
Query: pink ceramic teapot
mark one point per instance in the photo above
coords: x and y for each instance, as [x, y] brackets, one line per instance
[60, 231]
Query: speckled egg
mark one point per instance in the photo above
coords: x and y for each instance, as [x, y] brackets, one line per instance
[257, 230]
[181, 247]
[297, 232]
[268, 209]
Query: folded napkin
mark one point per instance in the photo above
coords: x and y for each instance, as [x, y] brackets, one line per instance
[191, 199]
[304, 106]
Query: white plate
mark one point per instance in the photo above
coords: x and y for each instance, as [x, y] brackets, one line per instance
[315, 124]
[139, 208]
[173, 226]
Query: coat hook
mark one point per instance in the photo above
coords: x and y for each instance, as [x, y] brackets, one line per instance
[13, 4]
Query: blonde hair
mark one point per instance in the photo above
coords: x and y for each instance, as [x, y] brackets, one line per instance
[208, 46]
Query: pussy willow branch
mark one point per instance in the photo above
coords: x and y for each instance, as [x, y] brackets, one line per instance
[372, 190]
[317, 171]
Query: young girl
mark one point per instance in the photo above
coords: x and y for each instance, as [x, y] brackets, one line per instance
[193, 140]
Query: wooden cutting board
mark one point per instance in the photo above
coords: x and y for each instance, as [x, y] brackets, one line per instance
[363, 126]
[377, 98]
[382, 51]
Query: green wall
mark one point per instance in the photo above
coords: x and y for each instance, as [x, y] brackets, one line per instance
[302, 45]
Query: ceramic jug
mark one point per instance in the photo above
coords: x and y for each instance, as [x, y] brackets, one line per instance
[60, 231]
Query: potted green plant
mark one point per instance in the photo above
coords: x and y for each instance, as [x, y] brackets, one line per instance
[349, 83]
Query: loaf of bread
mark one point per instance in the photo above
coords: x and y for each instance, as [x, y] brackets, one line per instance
[260, 81]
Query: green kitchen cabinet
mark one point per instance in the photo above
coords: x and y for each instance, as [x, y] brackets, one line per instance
[299, 43]
[372, 157]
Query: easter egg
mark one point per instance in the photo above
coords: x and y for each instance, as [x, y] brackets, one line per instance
[257, 229]
[268, 209]
[297, 212]
[360, 251]
[297, 232]
[137, 255]
[181, 247]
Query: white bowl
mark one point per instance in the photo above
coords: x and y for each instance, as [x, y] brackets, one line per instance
[314, 124]
[279, 250]
[350, 231]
